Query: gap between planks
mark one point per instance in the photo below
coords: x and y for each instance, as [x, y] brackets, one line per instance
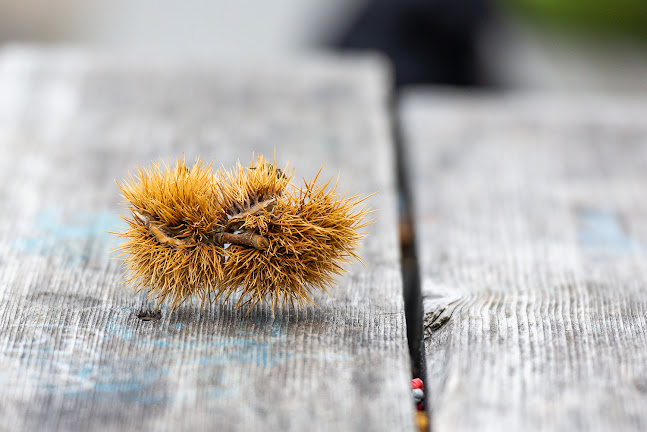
[411, 287]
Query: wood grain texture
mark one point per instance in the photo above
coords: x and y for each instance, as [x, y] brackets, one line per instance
[531, 230]
[73, 353]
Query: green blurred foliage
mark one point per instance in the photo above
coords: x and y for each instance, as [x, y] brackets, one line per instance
[613, 17]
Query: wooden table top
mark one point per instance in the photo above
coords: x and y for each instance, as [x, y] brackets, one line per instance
[531, 227]
[73, 353]
[528, 222]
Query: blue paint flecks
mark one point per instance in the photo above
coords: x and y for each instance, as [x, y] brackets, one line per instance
[62, 359]
[243, 346]
[601, 232]
[70, 237]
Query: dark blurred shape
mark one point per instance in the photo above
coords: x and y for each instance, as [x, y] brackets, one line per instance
[432, 41]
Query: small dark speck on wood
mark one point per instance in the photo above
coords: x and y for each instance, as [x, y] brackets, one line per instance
[149, 315]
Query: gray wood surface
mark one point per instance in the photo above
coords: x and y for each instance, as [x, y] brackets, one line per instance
[73, 353]
[531, 233]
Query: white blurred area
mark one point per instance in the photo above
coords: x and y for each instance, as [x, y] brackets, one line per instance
[514, 55]
[218, 28]
[520, 56]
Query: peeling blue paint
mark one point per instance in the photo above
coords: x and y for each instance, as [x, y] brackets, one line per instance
[600, 231]
[68, 237]
[143, 375]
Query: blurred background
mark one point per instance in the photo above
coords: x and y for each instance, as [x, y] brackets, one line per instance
[569, 45]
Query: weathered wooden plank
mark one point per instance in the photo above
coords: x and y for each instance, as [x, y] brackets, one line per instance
[531, 235]
[73, 353]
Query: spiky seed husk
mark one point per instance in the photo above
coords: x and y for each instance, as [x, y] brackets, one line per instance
[196, 233]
